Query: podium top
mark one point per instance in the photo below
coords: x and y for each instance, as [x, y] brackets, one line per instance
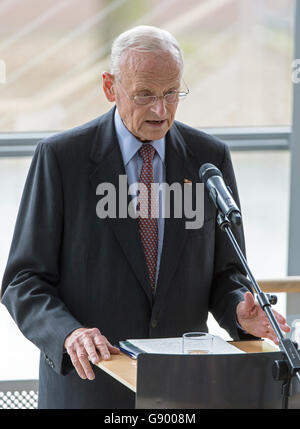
[124, 369]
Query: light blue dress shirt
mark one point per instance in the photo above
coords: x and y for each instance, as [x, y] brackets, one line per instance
[133, 163]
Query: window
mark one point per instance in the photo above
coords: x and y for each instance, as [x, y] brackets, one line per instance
[238, 56]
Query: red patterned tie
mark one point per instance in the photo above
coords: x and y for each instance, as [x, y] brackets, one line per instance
[148, 226]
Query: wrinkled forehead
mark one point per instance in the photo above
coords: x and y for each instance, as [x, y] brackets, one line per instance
[149, 68]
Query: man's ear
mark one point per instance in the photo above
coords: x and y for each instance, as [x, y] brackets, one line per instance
[108, 86]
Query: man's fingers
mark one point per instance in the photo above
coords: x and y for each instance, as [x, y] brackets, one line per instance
[79, 354]
[270, 333]
[113, 349]
[100, 342]
[282, 321]
[77, 365]
[279, 317]
[254, 320]
[83, 346]
[285, 328]
[91, 350]
[282, 324]
[93, 356]
[104, 347]
[84, 361]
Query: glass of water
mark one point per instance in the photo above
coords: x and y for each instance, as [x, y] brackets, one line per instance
[197, 343]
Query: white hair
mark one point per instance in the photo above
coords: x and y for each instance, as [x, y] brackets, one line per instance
[144, 38]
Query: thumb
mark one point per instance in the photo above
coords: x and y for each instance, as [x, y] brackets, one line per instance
[249, 301]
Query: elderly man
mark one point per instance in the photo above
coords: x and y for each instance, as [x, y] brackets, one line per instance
[76, 283]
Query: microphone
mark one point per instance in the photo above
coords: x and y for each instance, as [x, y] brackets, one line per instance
[220, 194]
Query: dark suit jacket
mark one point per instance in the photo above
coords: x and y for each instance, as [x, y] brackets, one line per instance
[68, 268]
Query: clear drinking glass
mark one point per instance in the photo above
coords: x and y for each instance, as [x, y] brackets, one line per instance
[197, 343]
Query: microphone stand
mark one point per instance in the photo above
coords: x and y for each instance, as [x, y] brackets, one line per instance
[282, 370]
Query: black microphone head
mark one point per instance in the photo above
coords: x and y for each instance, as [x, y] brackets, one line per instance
[208, 170]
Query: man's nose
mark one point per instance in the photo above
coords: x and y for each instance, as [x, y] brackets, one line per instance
[159, 107]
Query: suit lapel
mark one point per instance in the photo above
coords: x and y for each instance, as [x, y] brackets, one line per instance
[107, 166]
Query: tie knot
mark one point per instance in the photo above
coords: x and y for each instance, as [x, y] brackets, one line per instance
[147, 152]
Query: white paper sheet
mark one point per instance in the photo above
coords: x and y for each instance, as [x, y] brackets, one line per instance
[174, 346]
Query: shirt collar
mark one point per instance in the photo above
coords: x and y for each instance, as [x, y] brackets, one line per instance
[129, 144]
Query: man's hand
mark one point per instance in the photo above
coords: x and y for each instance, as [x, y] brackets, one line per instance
[253, 319]
[84, 344]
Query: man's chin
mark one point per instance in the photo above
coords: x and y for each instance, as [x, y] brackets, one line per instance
[155, 133]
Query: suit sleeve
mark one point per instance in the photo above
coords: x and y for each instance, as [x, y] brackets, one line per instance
[230, 280]
[30, 282]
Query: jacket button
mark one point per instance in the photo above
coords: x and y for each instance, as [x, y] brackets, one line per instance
[154, 323]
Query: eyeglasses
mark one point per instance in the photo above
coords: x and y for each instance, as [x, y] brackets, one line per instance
[171, 97]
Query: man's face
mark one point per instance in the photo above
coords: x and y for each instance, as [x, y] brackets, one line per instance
[146, 74]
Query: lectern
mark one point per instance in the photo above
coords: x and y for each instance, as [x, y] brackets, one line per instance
[162, 381]
[238, 381]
